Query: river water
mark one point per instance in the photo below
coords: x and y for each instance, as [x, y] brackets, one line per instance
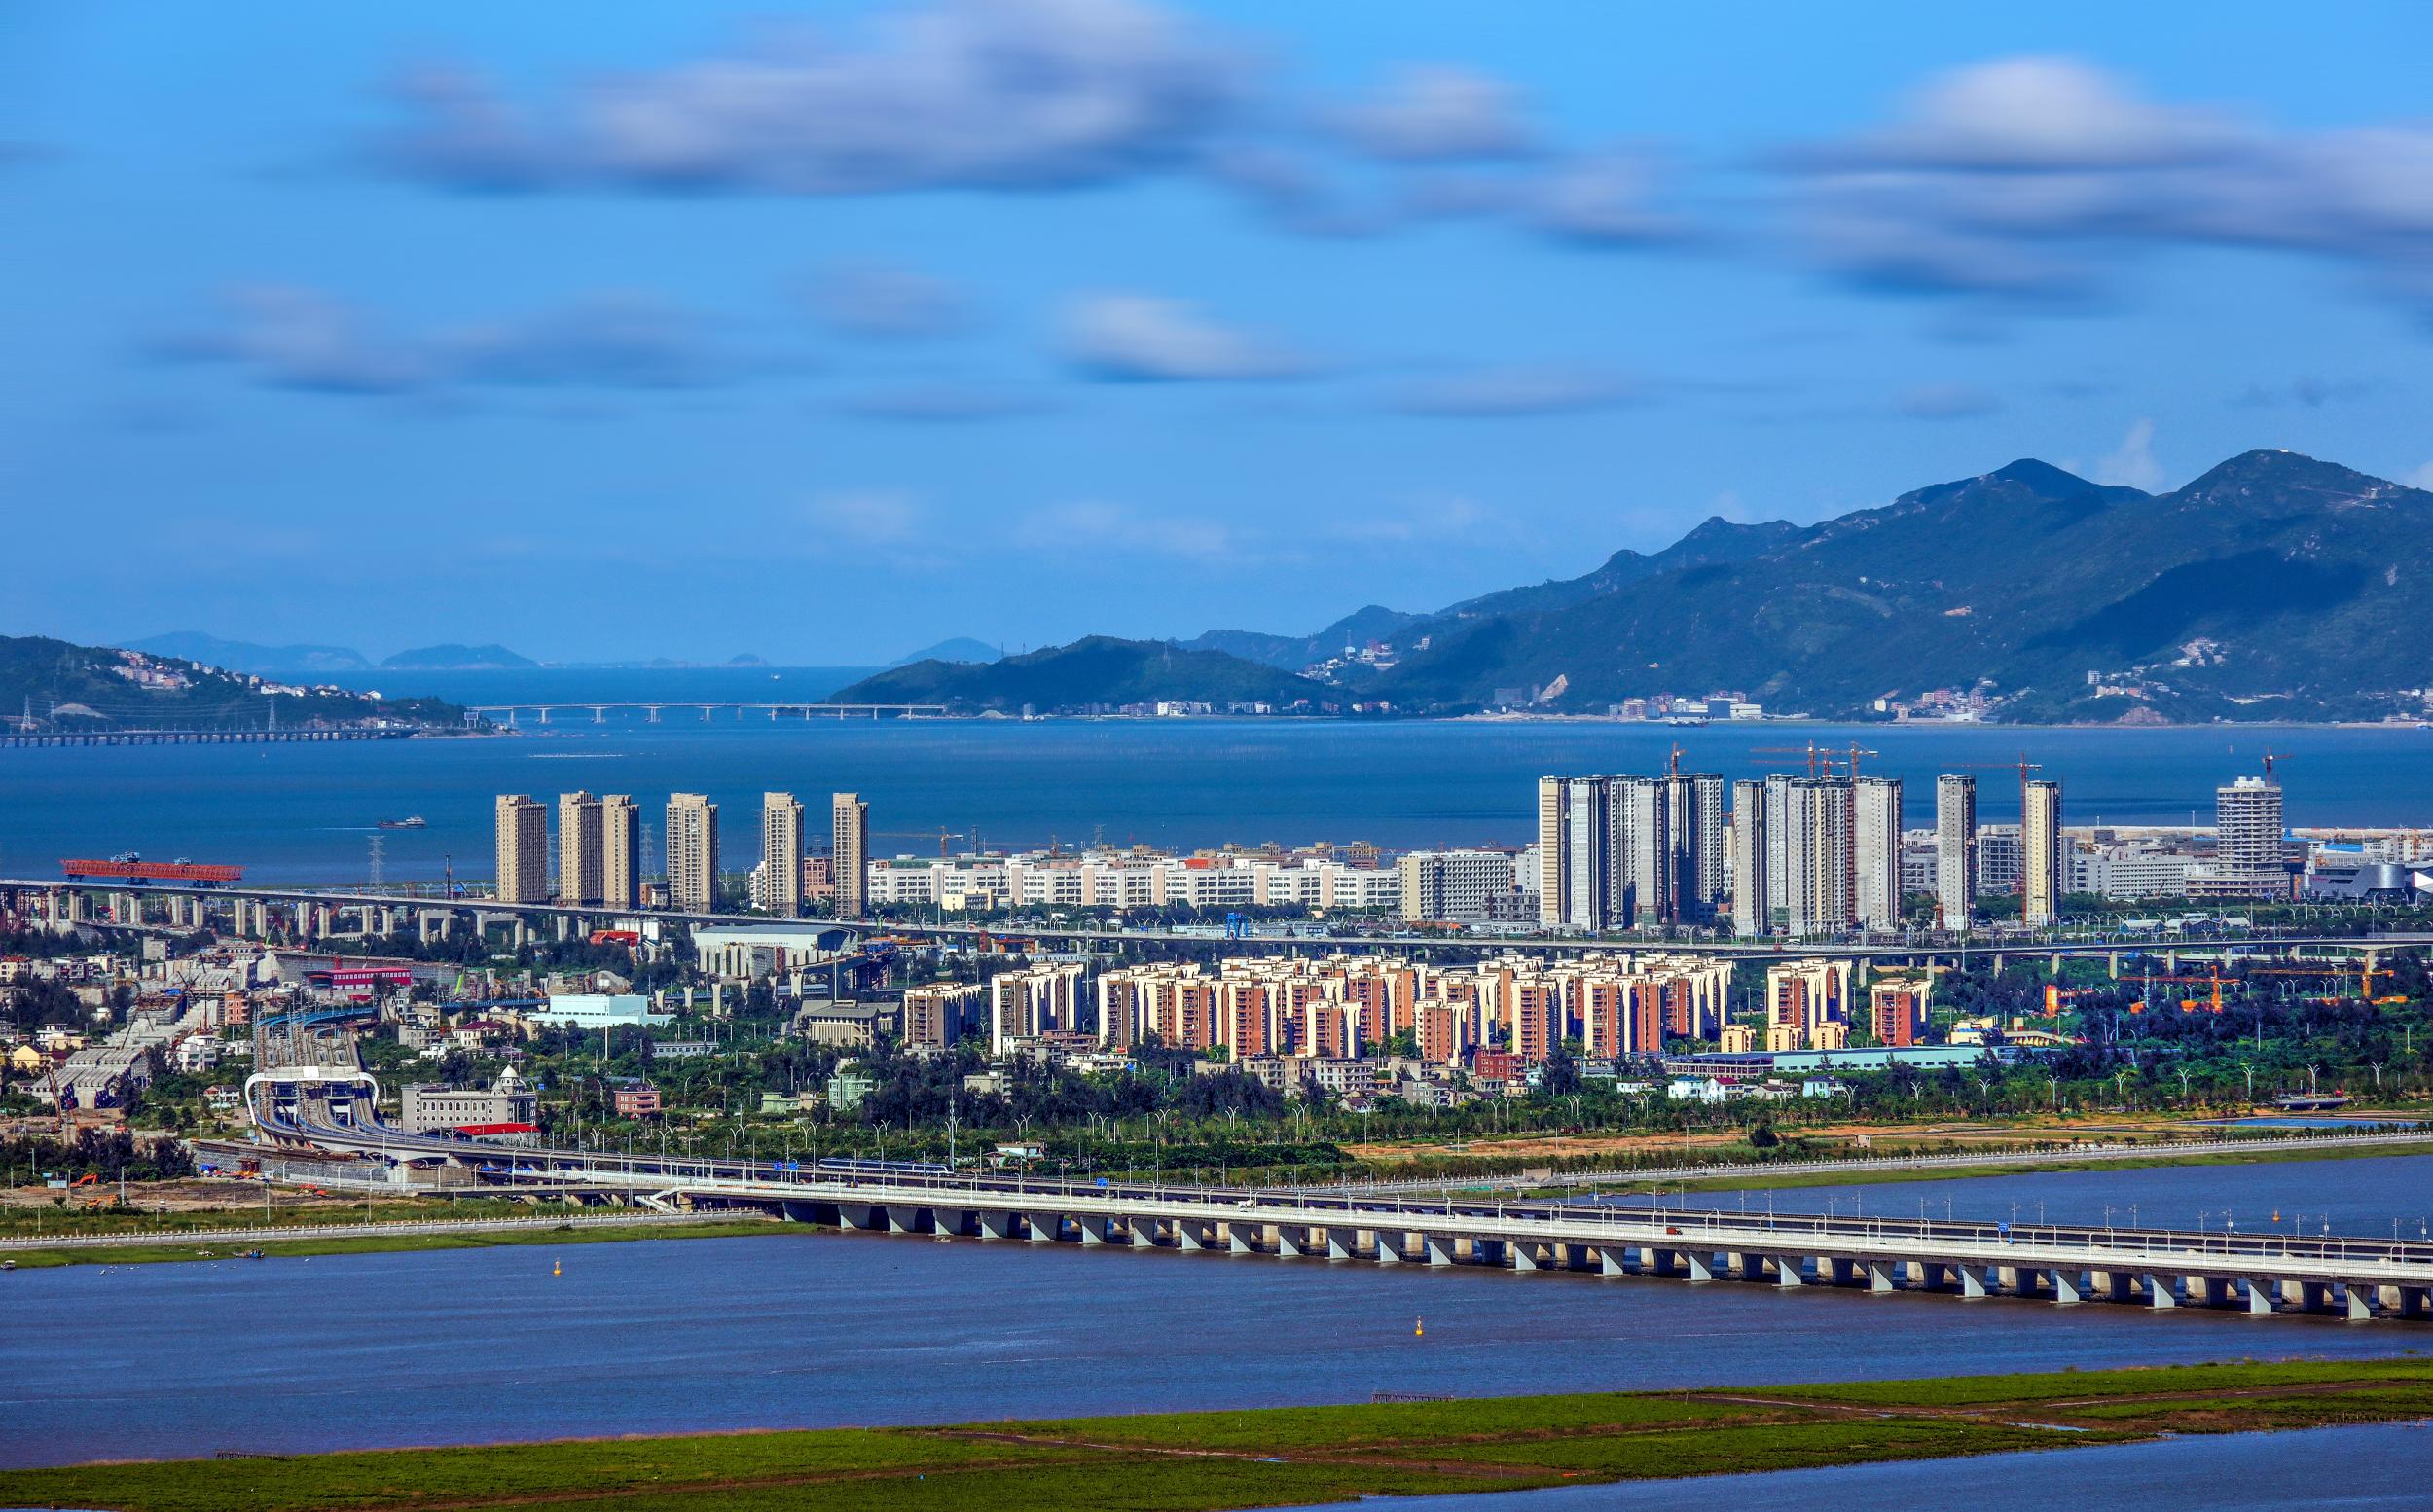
[301, 814]
[808, 1330]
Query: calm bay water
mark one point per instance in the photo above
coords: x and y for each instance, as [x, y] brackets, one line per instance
[2378, 1468]
[306, 812]
[808, 1330]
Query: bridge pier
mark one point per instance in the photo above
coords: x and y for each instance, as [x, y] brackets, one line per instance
[1187, 1237]
[1971, 1282]
[1241, 1239]
[996, 1223]
[1093, 1231]
[2068, 1285]
[2163, 1291]
[1389, 1247]
[952, 1221]
[1286, 1245]
[1343, 1244]
[1701, 1265]
[1881, 1279]
[2357, 1300]
[1439, 1248]
[1044, 1228]
[1143, 1232]
[2259, 1294]
[1789, 1271]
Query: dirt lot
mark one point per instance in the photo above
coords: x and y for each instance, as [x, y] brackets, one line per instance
[1955, 1134]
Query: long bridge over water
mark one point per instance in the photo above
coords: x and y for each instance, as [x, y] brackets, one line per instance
[323, 1117]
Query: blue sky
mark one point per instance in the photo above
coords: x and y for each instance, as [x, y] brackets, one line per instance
[826, 332]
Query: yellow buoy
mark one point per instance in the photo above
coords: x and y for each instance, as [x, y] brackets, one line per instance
[1419, 1328]
[556, 1269]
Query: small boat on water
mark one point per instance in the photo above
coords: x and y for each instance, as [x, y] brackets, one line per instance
[411, 823]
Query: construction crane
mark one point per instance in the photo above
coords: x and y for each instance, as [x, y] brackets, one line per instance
[1821, 759]
[940, 836]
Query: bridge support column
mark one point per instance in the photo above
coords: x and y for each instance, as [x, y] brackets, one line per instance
[1439, 1248]
[1343, 1243]
[1747, 1267]
[2359, 1299]
[1879, 1278]
[1524, 1254]
[2161, 1292]
[1789, 1271]
[947, 1220]
[858, 1216]
[1045, 1228]
[899, 1220]
[996, 1223]
[1972, 1280]
[1240, 1239]
[1187, 1235]
[1390, 1245]
[1610, 1260]
[1834, 1271]
[1701, 1265]
[1093, 1231]
[2259, 1295]
[2068, 1285]
[1288, 1246]
[2214, 1289]
[1143, 1232]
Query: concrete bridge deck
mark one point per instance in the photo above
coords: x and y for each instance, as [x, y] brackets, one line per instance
[2358, 1277]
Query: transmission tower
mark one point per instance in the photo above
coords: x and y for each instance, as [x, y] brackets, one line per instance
[379, 844]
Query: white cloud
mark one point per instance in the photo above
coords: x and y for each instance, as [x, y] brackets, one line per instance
[966, 93]
[291, 337]
[1604, 199]
[1438, 114]
[2034, 115]
[866, 518]
[1069, 530]
[2133, 463]
[1948, 402]
[2023, 176]
[884, 302]
[1144, 337]
[940, 404]
[1502, 391]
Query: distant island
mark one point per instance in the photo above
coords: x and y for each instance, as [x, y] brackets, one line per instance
[2275, 587]
[53, 688]
[1101, 675]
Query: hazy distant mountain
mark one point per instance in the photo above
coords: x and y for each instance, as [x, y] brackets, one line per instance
[1295, 652]
[62, 685]
[452, 658]
[2274, 587]
[1098, 670]
[1717, 540]
[240, 656]
[962, 648]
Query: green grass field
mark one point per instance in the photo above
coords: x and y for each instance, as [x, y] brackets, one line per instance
[1212, 1461]
[173, 1248]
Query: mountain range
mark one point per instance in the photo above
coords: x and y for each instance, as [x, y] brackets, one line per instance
[2274, 587]
[54, 685]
